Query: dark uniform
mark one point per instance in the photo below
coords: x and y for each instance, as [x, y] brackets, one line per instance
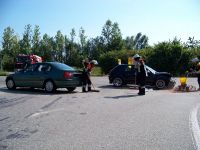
[86, 82]
[198, 74]
[196, 71]
[140, 74]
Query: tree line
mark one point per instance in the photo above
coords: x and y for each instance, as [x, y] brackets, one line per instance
[73, 48]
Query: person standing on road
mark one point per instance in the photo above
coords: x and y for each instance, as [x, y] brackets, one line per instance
[198, 74]
[86, 81]
[85, 76]
[140, 73]
[195, 70]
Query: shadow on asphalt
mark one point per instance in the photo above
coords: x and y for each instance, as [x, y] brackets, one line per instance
[117, 88]
[35, 91]
[134, 87]
[122, 96]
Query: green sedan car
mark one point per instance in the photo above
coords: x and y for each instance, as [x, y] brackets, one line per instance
[46, 75]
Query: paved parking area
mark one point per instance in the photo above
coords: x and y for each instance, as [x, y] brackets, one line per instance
[114, 118]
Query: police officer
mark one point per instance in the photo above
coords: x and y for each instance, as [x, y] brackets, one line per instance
[140, 73]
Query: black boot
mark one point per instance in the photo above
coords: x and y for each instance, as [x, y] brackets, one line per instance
[142, 91]
[83, 89]
[89, 89]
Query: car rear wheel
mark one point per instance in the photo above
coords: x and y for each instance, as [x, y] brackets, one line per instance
[49, 86]
[10, 84]
[160, 84]
[117, 82]
[70, 89]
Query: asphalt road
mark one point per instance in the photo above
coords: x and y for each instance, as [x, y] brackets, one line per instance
[112, 119]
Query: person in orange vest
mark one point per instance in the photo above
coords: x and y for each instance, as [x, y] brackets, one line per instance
[86, 81]
[140, 73]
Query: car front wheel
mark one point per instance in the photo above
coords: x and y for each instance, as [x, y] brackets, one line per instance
[160, 84]
[10, 84]
[117, 82]
[49, 86]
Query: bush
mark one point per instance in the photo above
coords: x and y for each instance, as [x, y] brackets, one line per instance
[169, 57]
[8, 63]
[110, 59]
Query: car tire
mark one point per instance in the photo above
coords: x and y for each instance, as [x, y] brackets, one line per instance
[49, 86]
[71, 89]
[160, 84]
[10, 84]
[117, 82]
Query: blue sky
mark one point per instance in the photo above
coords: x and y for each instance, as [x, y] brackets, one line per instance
[160, 20]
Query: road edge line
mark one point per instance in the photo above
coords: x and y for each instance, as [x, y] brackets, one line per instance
[194, 126]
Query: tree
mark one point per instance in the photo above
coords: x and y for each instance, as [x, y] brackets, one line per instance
[129, 43]
[73, 35]
[138, 42]
[72, 51]
[10, 45]
[107, 34]
[117, 42]
[60, 44]
[112, 36]
[7, 42]
[192, 43]
[46, 48]
[25, 43]
[94, 47]
[82, 39]
[169, 57]
[36, 41]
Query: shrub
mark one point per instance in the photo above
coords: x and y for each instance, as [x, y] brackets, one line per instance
[110, 59]
[8, 63]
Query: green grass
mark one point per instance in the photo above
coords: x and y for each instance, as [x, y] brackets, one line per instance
[3, 73]
[97, 71]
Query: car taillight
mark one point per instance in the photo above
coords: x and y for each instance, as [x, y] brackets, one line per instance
[67, 75]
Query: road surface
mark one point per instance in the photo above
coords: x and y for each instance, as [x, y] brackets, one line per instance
[112, 119]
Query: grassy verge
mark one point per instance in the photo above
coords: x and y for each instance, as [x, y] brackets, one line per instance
[97, 71]
[3, 73]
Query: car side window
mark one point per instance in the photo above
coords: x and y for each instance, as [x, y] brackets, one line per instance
[48, 68]
[31, 68]
[130, 69]
[44, 68]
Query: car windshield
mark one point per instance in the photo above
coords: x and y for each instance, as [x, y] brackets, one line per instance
[63, 66]
[150, 69]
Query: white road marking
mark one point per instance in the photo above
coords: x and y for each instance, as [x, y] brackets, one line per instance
[194, 126]
[45, 112]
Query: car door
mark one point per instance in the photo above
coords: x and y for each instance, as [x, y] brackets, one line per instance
[129, 74]
[24, 78]
[150, 77]
[40, 75]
